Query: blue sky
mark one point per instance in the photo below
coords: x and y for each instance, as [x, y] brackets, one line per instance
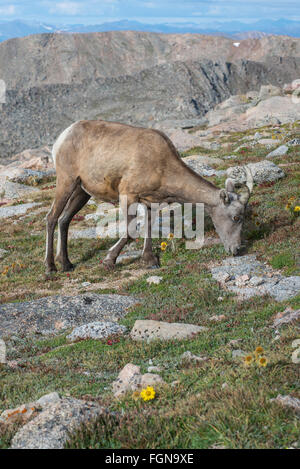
[151, 11]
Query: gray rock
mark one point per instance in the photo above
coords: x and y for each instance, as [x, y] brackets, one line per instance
[22, 175]
[52, 427]
[157, 330]
[16, 210]
[294, 142]
[95, 331]
[287, 317]
[154, 280]
[289, 402]
[189, 358]
[280, 151]
[131, 379]
[267, 91]
[3, 252]
[128, 257]
[13, 190]
[54, 314]
[264, 280]
[2, 351]
[238, 353]
[201, 168]
[48, 399]
[263, 171]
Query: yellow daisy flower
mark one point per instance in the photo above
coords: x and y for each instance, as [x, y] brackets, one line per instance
[148, 394]
[136, 395]
[263, 361]
[171, 236]
[163, 246]
[297, 208]
[248, 360]
[259, 351]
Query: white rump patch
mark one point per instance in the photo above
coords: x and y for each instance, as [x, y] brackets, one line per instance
[236, 44]
[60, 141]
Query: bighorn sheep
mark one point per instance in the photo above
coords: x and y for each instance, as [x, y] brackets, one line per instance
[107, 160]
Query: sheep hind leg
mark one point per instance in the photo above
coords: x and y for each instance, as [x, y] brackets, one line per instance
[63, 193]
[76, 202]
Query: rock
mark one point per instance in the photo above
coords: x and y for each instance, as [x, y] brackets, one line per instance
[289, 88]
[151, 379]
[217, 318]
[256, 281]
[286, 317]
[238, 354]
[153, 369]
[56, 313]
[2, 352]
[157, 330]
[269, 282]
[263, 171]
[47, 399]
[16, 210]
[95, 331]
[128, 257]
[131, 379]
[289, 402]
[242, 280]
[201, 168]
[222, 277]
[52, 427]
[294, 142]
[25, 176]
[269, 142]
[3, 252]
[39, 159]
[267, 91]
[154, 280]
[272, 111]
[189, 358]
[280, 151]
[22, 414]
[202, 159]
[13, 190]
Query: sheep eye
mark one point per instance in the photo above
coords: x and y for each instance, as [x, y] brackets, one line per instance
[236, 218]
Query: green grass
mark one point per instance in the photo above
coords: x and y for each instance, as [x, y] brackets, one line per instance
[194, 409]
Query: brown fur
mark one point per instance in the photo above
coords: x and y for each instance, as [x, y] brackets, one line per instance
[106, 160]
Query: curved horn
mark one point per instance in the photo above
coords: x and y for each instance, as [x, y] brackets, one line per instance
[249, 178]
[245, 195]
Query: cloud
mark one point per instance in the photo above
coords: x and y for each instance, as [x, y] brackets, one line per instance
[67, 8]
[7, 10]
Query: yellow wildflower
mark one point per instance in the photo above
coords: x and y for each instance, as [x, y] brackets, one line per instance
[248, 360]
[259, 351]
[263, 361]
[297, 208]
[136, 395]
[171, 236]
[148, 394]
[163, 246]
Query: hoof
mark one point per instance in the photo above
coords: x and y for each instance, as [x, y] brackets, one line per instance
[151, 262]
[68, 267]
[51, 269]
[108, 264]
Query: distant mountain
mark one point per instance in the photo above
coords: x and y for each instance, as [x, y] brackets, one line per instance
[234, 29]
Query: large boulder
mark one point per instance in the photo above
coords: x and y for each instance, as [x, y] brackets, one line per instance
[275, 110]
[263, 171]
[267, 91]
[157, 330]
[52, 427]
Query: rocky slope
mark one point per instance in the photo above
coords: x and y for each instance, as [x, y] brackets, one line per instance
[140, 78]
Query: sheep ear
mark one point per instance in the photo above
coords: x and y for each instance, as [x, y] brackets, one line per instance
[225, 196]
[230, 185]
